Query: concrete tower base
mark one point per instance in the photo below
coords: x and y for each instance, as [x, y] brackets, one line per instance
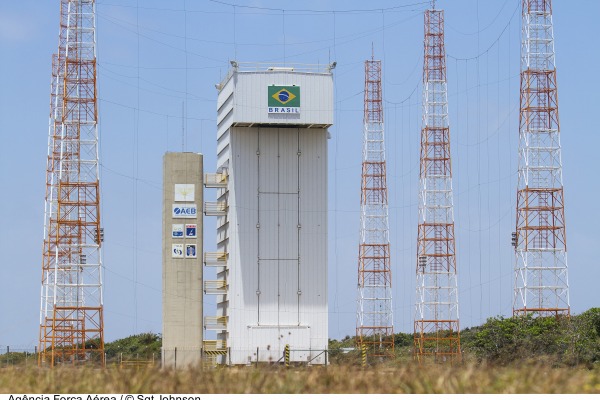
[182, 259]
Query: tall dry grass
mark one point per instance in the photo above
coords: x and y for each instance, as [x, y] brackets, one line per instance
[333, 379]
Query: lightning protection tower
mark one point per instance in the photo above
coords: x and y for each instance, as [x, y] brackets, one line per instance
[541, 282]
[71, 320]
[436, 331]
[374, 318]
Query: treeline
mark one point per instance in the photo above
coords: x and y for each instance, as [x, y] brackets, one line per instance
[503, 341]
[499, 341]
[144, 346]
[558, 341]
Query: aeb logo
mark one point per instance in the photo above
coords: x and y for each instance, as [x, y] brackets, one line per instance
[185, 211]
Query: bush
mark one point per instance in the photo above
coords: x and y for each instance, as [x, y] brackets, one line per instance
[561, 341]
[142, 346]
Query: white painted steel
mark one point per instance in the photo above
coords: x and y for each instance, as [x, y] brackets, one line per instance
[275, 231]
[437, 283]
[437, 288]
[375, 306]
[247, 104]
[541, 271]
[75, 276]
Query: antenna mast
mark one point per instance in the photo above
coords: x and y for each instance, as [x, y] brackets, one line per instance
[436, 331]
[541, 280]
[71, 315]
[375, 319]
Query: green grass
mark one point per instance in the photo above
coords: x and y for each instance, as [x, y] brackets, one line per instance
[334, 379]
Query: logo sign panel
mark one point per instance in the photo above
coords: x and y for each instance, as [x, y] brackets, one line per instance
[177, 231]
[177, 250]
[190, 251]
[284, 99]
[190, 230]
[185, 211]
[184, 191]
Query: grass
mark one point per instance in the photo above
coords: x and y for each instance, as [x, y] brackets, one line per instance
[409, 378]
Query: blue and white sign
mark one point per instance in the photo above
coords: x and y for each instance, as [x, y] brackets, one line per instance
[190, 251]
[177, 250]
[177, 231]
[185, 211]
[284, 110]
[190, 230]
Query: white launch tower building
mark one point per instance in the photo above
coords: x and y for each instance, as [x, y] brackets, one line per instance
[272, 214]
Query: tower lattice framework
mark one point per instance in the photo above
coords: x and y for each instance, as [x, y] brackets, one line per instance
[375, 319]
[541, 280]
[436, 327]
[71, 315]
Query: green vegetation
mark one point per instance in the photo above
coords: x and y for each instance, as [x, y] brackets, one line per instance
[145, 346]
[500, 341]
[562, 341]
[503, 341]
[504, 355]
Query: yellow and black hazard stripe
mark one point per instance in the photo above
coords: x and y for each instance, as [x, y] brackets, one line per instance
[215, 352]
[363, 349]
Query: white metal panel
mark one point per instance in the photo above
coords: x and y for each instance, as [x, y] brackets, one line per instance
[288, 160]
[287, 236]
[271, 342]
[223, 149]
[225, 108]
[246, 208]
[293, 192]
[225, 93]
[222, 144]
[269, 292]
[251, 98]
[313, 234]
[288, 292]
[268, 234]
[268, 148]
[225, 101]
[226, 122]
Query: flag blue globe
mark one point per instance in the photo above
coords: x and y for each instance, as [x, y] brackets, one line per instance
[283, 96]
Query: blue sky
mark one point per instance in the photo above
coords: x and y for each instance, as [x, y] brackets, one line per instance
[157, 58]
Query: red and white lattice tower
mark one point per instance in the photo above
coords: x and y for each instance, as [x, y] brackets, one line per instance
[374, 319]
[71, 316]
[436, 330]
[541, 281]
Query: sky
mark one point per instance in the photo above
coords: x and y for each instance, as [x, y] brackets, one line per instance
[158, 64]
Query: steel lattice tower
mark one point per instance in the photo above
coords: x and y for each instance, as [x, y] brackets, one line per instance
[71, 316]
[375, 319]
[437, 332]
[541, 281]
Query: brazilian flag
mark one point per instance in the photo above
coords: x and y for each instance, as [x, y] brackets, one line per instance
[284, 96]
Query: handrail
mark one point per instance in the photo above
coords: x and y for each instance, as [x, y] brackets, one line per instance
[216, 179]
[284, 67]
[211, 322]
[215, 345]
[215, 258]
[216, 286]
[215, 207]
